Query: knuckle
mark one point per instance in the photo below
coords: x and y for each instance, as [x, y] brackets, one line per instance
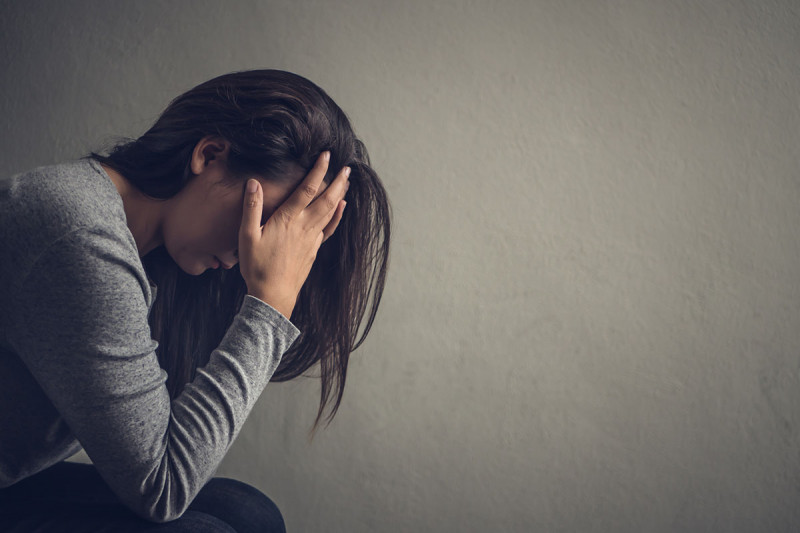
[284, 216]
[309, 191]
[329, 203]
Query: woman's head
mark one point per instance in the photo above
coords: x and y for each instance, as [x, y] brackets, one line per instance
[199, 225]
[270, 125]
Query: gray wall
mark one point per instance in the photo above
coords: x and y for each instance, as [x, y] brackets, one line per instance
[593, 316]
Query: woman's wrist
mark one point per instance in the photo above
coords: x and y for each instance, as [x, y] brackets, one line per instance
[282, 305]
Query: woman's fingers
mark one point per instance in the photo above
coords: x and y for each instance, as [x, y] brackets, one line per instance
[320, 213]
[334, 223]
[307, 190]
[323, 208]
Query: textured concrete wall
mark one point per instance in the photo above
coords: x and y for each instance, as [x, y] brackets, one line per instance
[592, 321]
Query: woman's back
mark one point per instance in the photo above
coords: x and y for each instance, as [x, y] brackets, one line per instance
[38, 210]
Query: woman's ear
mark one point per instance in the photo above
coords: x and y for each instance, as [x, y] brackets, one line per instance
[209, 148]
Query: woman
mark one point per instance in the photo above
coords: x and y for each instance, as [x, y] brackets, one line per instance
[120, 332]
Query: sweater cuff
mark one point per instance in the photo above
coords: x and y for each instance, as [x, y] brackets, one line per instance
[261, 310]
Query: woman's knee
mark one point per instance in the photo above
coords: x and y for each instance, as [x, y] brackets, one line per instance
[242, 506]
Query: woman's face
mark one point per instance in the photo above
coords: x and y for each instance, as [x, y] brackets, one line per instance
[201, 229]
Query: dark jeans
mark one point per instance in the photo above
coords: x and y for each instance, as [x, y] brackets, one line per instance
[72, 497]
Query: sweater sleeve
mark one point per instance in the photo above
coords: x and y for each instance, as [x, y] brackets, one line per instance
[82, 329]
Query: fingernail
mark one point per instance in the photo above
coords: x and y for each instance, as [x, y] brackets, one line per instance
[252, 186]
[346, 172]
[326, 155]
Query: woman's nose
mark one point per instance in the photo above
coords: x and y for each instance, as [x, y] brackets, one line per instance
[229, 260]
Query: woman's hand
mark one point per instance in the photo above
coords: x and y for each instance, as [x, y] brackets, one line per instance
[275, 258]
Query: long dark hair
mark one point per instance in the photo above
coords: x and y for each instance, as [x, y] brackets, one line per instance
[275, 121]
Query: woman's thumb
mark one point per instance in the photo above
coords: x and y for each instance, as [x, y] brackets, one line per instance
[251, 214]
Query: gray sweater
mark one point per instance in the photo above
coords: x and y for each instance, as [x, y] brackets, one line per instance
[77, 361]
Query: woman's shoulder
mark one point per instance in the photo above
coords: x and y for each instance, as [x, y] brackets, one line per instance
[74, 193]
[42, 205]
